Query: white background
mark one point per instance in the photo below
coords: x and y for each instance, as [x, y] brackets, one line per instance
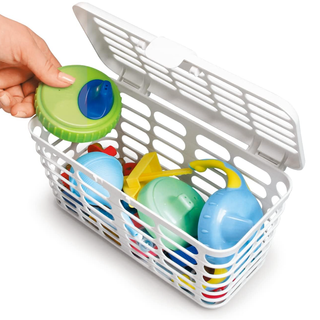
[53, 267]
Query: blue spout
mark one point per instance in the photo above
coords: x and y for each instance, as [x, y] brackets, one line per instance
[95, 99]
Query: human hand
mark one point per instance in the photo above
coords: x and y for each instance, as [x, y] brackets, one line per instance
[25, 60]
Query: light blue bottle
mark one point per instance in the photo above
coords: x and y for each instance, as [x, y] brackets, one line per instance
[229, 213]
[104, 166]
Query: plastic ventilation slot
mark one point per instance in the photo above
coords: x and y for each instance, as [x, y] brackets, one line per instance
[225, 86]
[111, 28]
[154, 65]
[162, 81]
[159, 74]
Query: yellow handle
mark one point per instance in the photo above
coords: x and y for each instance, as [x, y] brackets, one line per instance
[234, 181]
[167, 173]
[147, 169]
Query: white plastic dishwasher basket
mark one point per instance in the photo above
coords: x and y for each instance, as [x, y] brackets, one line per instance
[185, 109]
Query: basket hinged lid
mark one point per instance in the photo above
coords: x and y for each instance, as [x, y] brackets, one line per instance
[249, 116]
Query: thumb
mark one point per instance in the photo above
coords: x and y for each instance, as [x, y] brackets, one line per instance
[44, 69]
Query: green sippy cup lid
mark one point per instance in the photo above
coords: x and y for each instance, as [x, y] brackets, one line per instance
[82, 112]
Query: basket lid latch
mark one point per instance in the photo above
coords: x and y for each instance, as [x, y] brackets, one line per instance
[167, 52]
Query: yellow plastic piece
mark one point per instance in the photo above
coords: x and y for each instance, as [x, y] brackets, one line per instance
[234, 180]
[219, 280]
[185, 282]
[146, 170]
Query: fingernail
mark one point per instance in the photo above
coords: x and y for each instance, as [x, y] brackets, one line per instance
[5, 100]
[20, 114]
[66, 78]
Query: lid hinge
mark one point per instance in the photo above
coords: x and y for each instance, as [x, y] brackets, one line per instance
[132, 84]
[268, 158]
[279, 164]
[256, 147]
[142, 88]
